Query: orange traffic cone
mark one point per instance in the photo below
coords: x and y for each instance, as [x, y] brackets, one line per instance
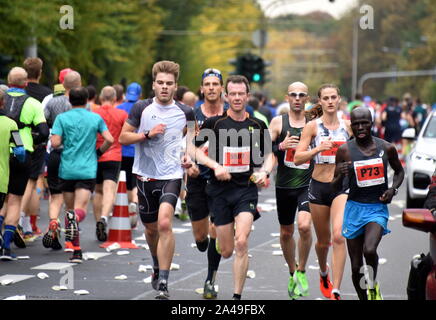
[119, 226]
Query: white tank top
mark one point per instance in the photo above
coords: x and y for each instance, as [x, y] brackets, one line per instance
[339, 136]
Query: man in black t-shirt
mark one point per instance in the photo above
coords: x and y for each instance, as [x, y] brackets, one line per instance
[237, 144]
[33, 67]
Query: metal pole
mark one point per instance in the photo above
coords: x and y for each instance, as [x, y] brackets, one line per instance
[354, 58]
[394, 74]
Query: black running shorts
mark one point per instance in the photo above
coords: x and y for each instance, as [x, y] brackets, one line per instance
[321, 193]
[108, 170]
[18, 175]
[197, 200]
[228, 201]
[289, 201]
[53, 163]
[126, 166]
[152, 193]
[72, 185]
[37, 162]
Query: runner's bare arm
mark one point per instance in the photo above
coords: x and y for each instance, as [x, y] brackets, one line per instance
[56, 141]
[302, 154]
[129, 136]
[343, 162]
[108, 140]
[398, 178]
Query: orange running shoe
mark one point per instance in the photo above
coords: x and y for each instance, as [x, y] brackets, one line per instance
[69, 246]
[335, 296]
[325, 286]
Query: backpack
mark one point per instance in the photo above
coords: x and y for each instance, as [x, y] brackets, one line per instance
[13, 106]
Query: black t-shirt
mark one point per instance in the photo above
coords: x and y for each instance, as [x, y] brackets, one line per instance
[37, 91]
[237, 145]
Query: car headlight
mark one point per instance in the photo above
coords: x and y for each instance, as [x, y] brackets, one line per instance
[417, 156]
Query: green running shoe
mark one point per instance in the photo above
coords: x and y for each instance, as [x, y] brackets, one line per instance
[302, 285]
[291, 289]
[209, 291]
[374, 294]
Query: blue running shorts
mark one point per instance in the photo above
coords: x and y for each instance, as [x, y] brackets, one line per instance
[357, 215]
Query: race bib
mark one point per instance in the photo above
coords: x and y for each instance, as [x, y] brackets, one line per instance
[329, 156]
[289, 160]
[236, 159]
[369, 172]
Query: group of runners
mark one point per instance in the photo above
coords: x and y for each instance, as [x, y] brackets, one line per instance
[330, 171]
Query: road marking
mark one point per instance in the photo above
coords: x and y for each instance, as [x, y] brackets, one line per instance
[54, 266]
[14, 278]
[143, 295]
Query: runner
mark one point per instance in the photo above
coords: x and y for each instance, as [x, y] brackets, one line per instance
[234, 196]
[54, 107]
[365, 160]
[157, 126]
[109, 164]
[197, 200]
[8, 134]
[292, 188]
[133, 94]
[77, 130]
[324, 135]
[27, 113]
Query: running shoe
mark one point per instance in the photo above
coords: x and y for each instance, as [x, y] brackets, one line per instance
[18, 238]
[7, 255]
[302, 285]
[76, 257]
[162, 293]
[133, 214]
[184, 212]
[71, 228]
[291, 288]
[325, 286]
[68, 246]
[335, 296]
[375, 294]
[209, 291]
[155, 280]
[100, 230]
[51, 238]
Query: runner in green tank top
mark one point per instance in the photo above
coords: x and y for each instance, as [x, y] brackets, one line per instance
[292, 188]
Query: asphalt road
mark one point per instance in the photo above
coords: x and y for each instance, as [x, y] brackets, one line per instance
[269, 283]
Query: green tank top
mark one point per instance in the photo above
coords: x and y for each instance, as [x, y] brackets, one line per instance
[288, 174]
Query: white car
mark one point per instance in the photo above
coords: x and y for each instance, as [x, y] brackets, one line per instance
[421, 162]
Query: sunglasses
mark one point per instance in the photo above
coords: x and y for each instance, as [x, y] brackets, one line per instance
[212, 70]
[297, 94]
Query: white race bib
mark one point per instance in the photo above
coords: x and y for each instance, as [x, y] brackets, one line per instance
[236, 159]
[329, 156]
[369, 172]
[289, 160]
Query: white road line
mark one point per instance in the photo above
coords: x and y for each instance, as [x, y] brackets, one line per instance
[143, 295]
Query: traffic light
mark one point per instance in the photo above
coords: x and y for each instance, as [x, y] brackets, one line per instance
[251, 66]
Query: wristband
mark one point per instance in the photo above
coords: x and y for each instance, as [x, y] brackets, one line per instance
[99, 153]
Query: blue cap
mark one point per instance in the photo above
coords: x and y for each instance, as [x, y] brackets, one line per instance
[133, 92]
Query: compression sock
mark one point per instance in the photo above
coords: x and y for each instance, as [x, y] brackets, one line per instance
[202, 245]
[80, 215]
[213, 258]
[163, 275]
[8, 235]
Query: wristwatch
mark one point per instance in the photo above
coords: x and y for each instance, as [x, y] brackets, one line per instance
[146, 133]
[395, 191]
